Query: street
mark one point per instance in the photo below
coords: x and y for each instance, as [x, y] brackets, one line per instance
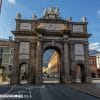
[97, 82]
[51, 80]
[43, 92]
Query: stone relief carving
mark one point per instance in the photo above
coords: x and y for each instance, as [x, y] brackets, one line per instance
[79, 49]
[23, 56]
[25, 26]
[79, 58]
[24, 48]
[51, 26]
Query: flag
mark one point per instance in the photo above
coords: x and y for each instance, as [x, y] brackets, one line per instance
[0, 5]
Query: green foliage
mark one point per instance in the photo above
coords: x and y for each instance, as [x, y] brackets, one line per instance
[3, 73]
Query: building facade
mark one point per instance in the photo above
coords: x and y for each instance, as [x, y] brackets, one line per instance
[98, 63]
[6, 56]
[33, 37]
[93, 66]
[54, 65]
[45, 70]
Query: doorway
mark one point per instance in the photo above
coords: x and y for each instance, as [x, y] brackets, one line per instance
[51, 69]
[23, 73]
[80, 73]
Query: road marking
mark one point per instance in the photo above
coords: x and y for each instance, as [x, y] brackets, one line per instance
[9, 91]
[33, 87]
[22, 91]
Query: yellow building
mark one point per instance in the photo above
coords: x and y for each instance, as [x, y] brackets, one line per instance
[54, 65]
[45, 70]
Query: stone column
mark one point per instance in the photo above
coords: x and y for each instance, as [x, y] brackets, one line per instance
[87, 69]
[15, 69]
[39, 63]
[31, 70]
[66, 61]
[72, 63]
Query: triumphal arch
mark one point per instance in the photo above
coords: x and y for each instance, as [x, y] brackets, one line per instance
[33, 37]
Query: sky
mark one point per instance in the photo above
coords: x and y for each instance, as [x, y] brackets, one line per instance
[46, 56]
[74, 8]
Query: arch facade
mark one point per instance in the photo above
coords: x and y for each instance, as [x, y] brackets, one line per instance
[33, 37]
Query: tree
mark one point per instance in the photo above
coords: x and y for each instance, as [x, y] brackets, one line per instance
[3, 74]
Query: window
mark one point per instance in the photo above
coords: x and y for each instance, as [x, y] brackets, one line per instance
[6, 50]
[11, 50]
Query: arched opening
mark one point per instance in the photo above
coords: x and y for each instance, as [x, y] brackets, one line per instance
[51, 69]
[80, 73]
[23, 73]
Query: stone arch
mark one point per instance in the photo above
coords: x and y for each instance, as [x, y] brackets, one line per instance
[56, 46]
[59, 49]
[80, 73]
[23, 72]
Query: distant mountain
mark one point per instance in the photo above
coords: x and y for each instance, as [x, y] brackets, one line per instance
[93, 52]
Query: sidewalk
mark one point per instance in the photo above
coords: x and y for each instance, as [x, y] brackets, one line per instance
[90, 89]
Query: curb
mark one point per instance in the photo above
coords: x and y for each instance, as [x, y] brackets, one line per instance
[84, 92]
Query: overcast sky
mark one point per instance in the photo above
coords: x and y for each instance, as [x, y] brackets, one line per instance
[74, 8]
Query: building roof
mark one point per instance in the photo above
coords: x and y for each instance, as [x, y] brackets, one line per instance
[6, 42]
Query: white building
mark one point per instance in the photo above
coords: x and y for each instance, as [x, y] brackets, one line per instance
[98, 60]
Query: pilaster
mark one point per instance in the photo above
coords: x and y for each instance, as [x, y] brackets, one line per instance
[15, 69]
[72, 65]
[66, 60]
[87, 69]
[31, 72]
[39, 63]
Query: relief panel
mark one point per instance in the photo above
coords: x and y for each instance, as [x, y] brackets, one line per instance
[24, 48]
[23, 56]
[52, 26]
[77, 28]
[25, 26]
[79, 49]
[79, 58]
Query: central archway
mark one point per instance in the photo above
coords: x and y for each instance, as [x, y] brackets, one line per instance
[52, 65]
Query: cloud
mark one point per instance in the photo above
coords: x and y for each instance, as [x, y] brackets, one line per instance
[12, 1]
[94, 46]
[98, 13]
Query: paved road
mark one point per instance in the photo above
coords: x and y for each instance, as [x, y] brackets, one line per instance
[50, 80]
[98, 85]
[97, 82]
[44, 92]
